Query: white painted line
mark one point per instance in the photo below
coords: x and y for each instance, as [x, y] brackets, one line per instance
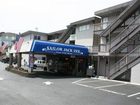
[105, 90]
[79, 80]
[85, 85]
[89, 81]
[116, 81]
[1, 79]
[111, 80]
[133, 94]
[109, 91]
[109, 86]
[48, 83]
[138, 98]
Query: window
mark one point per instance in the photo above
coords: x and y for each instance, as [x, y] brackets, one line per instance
[37, 37]
[6, 37]
[105, 22]
[84, 27]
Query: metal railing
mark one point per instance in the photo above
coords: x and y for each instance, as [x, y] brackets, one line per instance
[93, 49]
[129, 58]
[101, 26]
[126, 32]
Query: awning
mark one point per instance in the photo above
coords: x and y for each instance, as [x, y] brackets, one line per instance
[58, 48]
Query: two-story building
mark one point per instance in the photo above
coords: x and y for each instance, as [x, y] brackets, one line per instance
[119, 41]
[82, 33]
[28, 37]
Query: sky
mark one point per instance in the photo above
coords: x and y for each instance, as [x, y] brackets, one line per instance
[47, 15]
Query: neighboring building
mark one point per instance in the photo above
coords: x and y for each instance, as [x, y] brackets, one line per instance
[28, 36]
[119, 41]
[82, 33]
[6, 39]
[34, 35]
[54, 36]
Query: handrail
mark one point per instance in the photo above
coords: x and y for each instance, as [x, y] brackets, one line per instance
[124, 58]
[121, 17]
[125, 29]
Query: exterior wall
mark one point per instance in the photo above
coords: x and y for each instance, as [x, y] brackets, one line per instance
[26, 58]
[43, 37]
[31, 36]
[135, 74]
[105, 65]
[7, 38]
[84, 37]
[27, 38]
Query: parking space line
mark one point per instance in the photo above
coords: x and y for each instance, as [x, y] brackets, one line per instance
[109, 86]
[110, 91]
[79, 80]
[85, 85]
[133, 94]
[138, 98]
[116, 81]
[1, 79]
[105, 90]
[110, 80]
[89, 81]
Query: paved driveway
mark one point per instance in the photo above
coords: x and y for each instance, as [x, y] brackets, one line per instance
[43, 90]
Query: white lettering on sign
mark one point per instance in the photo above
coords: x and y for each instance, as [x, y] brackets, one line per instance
[64, 50]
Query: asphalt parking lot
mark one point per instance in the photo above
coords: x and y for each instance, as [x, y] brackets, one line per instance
[58, 90]
[125, 89]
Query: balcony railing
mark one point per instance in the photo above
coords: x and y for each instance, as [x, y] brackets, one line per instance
[101, 26]
[93, 49]
[129, 58]
[125, 33]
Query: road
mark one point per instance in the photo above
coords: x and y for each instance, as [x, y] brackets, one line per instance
[18, 90]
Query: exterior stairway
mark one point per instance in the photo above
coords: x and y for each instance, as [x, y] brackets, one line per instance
[122, 17]
[121, 39]
[125, 63]
[129, 32]
[66, 34]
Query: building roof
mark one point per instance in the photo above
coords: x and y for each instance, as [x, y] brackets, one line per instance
[57, 32]
[87, 20]
[33, 32]
[7, 34]
[113, 9]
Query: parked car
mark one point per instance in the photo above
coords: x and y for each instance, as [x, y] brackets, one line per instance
[40, 64]
[5, 60]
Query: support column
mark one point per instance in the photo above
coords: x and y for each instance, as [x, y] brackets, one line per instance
[11, 59]
[98, 68]
[19, 60]
[32, 63]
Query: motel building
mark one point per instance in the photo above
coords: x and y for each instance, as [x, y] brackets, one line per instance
[56, 57]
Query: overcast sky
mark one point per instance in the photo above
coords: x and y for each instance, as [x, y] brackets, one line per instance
[47, 15]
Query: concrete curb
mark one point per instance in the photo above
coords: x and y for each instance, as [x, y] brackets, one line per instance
[20, 72]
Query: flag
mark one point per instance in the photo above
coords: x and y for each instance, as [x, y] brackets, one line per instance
[2, 48]
[19, 44]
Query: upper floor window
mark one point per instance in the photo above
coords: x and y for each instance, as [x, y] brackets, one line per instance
[84, 27]
[6, 37]
[105, 22]
[37, 37]
[105, 19]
